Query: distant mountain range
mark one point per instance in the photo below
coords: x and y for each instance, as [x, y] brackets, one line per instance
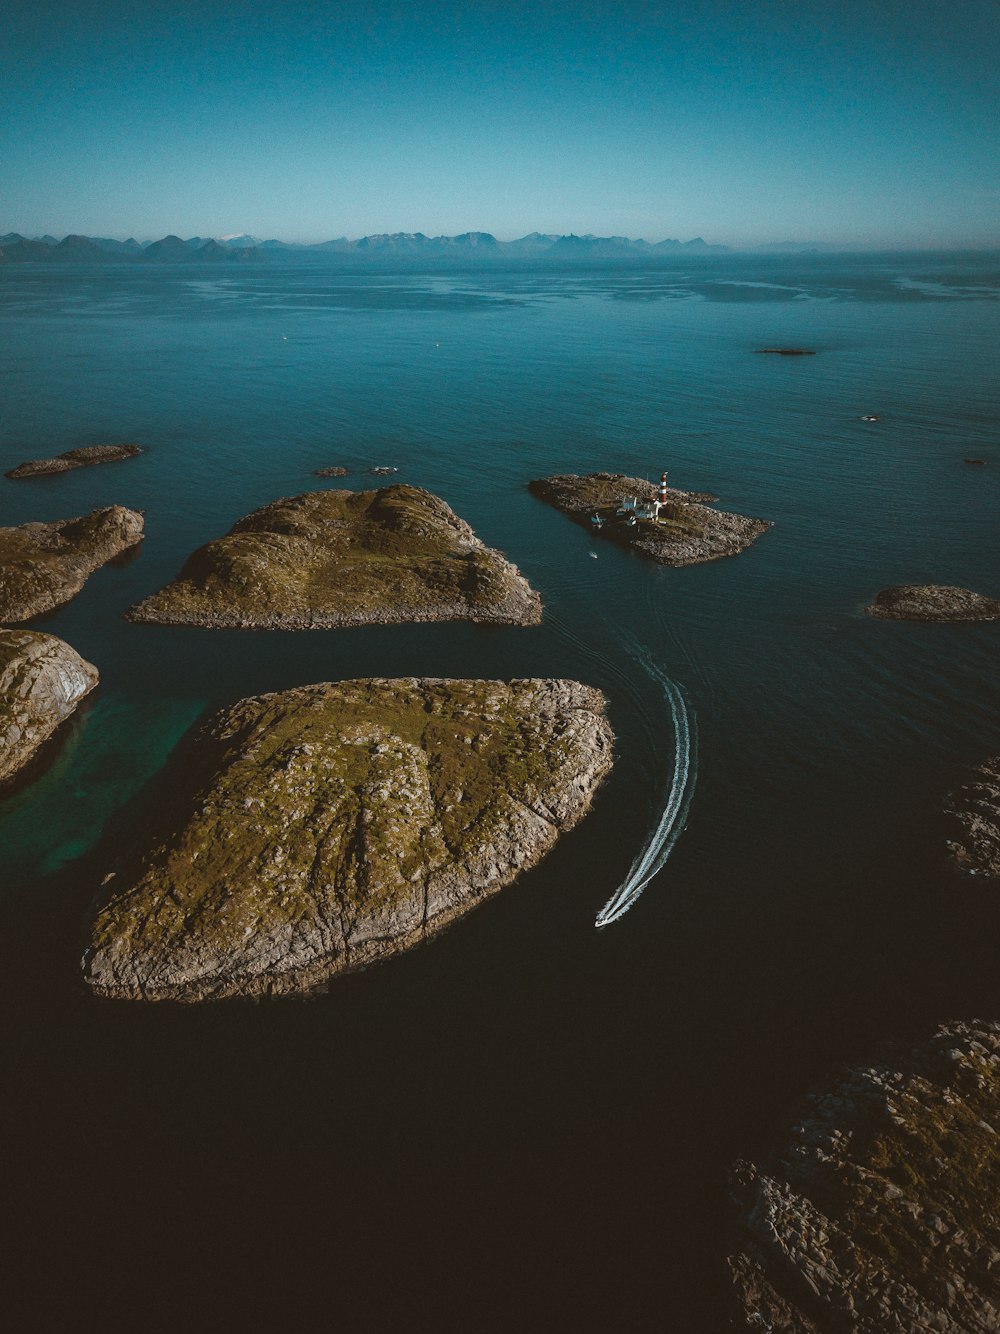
[475, 247]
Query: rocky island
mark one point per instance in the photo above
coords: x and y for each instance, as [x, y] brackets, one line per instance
[42, 680]
[43, 565]
[933, 602]
[86, 457]
[327, 827]
[881, 1209]
[973, 813]
[339, 558]
[685, 532]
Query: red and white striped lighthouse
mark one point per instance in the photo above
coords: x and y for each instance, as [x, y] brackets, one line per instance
[663, 489]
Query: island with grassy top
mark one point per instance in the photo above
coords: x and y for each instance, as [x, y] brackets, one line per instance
[683, 531]
[321, 829]
[43, 565]
[341, 558]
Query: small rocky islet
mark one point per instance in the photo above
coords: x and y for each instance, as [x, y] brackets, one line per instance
[686, 531]
[43, 565]
[342, 558]
[324, 828]
[933, 602]
[88, 456]
[880, 1209]
[42, 681]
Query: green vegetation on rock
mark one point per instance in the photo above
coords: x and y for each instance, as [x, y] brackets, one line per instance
[331, 558]
[325, 827]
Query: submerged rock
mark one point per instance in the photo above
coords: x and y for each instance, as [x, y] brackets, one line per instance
[973, 813]
[933, 602]
[335, 471]
[43, 565]
[881, 1211]
[335, 558]
[327, 827]
[85, 457]
[42, 680]
[687, 533]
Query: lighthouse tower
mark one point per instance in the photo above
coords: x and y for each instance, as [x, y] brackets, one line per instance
[663, 489]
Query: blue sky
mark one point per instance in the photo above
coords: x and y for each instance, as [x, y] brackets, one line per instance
[863, 123]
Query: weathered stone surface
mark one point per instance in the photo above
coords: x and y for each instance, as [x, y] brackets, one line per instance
[973, 814]
[337, 558]
[42, 680]
[85, 457]
[689, 534]
[324, 828]
[335, 471]
[43, 565]
[933, 602]
[881, 1211]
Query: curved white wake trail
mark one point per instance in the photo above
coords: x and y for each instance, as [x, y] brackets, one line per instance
[670, 825]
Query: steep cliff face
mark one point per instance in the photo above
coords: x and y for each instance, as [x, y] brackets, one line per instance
[43, 565]
[337, 558]
[327, 827]
[42, 680]
[881, 1211]
[687, 533]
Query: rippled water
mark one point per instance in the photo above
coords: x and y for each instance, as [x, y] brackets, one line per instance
[526, 1123]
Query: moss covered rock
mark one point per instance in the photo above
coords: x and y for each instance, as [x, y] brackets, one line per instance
[881, 1210]
[42, 680]
[43, 565]
[687, 531]
[933, 602]
[332, 558]
[324, 828]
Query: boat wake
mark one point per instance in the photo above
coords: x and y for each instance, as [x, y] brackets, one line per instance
[653, 857]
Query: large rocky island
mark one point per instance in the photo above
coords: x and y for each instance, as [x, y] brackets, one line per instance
[43, 565]
[42, 680]
[933, 602]
[339, 558]
[686, 531]
[324, 828]
[880, 1211]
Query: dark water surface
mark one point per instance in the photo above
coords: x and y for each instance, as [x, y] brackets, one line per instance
[525, 1124]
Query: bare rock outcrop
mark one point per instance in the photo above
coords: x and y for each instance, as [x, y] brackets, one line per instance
[331, 826]
[933, 602]
[43, 565]
[881, 1211]
[42, 680]
[338, 558]
[686, 532]
[973, 814]
[85, 457]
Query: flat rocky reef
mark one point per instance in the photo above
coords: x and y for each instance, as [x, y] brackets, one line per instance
[325, 828]
[933, 602]
[688, 532]
[42, 680]
[86, 457]
[973, 813]
[880, 1210]
[340, 558]
[43, 565]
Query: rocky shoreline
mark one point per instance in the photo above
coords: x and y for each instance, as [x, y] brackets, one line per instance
[881, 1209]
[43, 565]
[42, 681]
[973, 814]
[86, 457]
[325, 828]
[343, 558]
[688, 533]
[933, 602]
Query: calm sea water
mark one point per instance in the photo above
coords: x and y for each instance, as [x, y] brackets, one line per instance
[527, 1123]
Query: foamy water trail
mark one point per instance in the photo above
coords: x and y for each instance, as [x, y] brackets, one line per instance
[670, 824]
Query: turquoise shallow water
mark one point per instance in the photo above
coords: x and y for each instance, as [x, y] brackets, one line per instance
[526, 1095]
